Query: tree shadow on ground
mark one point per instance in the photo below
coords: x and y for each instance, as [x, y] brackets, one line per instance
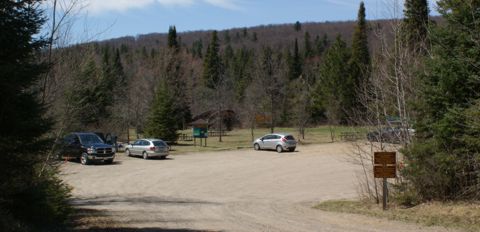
[87, 218]
[148, 229]
[106, 200]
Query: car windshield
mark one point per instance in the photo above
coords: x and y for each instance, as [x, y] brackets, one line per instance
[159, 144]
[289, 137]
[90, 139]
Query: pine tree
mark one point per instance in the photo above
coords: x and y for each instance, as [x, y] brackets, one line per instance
[86, 99]
[308, 53]
[30, 200]
[212, 66]
[107, 81]
[360, 60]
[415, 25]
[172, 38]
[118, 71]
[175, 80]
[242, 71]
[442, 162]
[228, 57]
[254, 37]
[197, 48]
[297, 26]
[226, 36]
[162, 121]
[334, 87]
[321, 44]
[295, 66]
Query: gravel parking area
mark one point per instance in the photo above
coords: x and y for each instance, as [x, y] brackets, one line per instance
[241, 190]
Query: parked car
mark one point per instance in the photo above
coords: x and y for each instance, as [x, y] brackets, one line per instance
[148, 148]
[278, 142]
[389, 134]
[87, 147]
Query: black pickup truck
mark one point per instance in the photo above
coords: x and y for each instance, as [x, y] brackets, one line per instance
[86, 146]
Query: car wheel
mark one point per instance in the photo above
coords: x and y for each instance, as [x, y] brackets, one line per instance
[128, 152]
[145, 155]
[279, 149]
[84, 159]
[163, 157]
[291, 149]
[256, 147]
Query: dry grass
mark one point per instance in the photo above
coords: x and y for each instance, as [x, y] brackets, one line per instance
[242, 138]
[465, 216]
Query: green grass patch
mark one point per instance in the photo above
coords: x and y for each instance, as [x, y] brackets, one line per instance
[465, 216]
[242, 138]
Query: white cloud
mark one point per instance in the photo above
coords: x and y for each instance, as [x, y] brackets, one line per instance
[97, 6]
[176, 2]
[227, 4]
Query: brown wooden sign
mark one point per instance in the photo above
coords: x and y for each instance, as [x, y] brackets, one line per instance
[385, 165]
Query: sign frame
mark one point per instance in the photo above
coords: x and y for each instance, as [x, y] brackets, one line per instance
[385, 166]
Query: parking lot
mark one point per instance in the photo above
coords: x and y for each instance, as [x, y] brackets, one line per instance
[241, 190]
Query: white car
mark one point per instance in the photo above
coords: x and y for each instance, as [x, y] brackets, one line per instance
[148, 148]
[278, 142]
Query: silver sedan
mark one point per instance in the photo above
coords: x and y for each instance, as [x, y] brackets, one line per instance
[148, 148]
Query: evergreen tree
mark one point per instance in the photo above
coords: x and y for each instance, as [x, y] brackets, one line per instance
[162, 121]
[172, 38]
[308, 46]
[175, 80]
[118, 71]
[197, 48]
[442, 162]
[212, 66]
[107, 81]
[295, 64]
[144, 53]
[254, 37]
[334, 87]
[228, 57]
[242, 71]
[297, 26]
[415, 24]
[321, 44]
[86, 97]
[226, 36]
[31, 198]
[360, 60]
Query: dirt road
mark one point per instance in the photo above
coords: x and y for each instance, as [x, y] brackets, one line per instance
[242, 190]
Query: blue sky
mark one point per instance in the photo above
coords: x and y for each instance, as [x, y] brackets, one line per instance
[105, 19]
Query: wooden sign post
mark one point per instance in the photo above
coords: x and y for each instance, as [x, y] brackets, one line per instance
[385, 166]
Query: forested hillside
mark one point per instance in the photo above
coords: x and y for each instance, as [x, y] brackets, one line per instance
[110, 85]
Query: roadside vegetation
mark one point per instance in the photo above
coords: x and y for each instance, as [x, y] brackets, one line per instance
[438, 94]
[456, 215]
[32, 196]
